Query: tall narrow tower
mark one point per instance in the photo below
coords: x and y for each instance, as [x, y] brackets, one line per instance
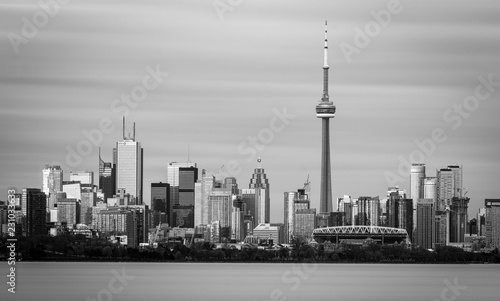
[325, 110]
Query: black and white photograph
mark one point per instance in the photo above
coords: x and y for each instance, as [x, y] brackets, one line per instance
[253, 150]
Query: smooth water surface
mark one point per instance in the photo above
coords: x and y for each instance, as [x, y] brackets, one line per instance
[251, 281]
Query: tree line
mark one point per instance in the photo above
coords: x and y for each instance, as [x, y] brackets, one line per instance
[68, 247]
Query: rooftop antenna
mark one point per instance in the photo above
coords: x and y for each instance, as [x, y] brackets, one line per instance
[258, 162]
[123, 128]
[134, 131]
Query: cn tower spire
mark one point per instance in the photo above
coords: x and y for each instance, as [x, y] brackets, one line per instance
[325, 66]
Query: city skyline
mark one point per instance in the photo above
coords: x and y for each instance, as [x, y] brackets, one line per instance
[390, 93]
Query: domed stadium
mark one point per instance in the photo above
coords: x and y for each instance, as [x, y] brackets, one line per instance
[359, 234]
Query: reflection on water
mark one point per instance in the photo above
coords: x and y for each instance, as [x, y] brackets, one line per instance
[232, 281]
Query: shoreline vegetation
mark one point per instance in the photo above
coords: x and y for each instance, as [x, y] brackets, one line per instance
[69, 248]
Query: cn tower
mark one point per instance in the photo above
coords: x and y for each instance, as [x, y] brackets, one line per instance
[325, 110]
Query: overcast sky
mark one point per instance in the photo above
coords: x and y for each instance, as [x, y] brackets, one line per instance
[229, 67]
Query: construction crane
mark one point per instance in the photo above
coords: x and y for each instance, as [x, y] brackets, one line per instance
[194, 234]
[151, 243]
[307, 184]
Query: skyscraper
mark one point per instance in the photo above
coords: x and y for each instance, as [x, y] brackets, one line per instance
[255, 200]
[220, 206]
[129, 169]
[305, 222]
[160, 202]
[237, 220]
[457, 180]
[399, 211]
[203, 188]
[33, 206]
[449, 185]
[430, 186]
[52, 178]
[417, 175]
[325, 110]
[425, 236]
[458, 218]
[182, 177]
[107, 178]
[293, 202]
[259, 181]
[84, 177]
[68, 211]
[368, 211]
[492, 223]
[88, 200]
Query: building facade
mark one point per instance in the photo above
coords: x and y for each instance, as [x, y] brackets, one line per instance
[259, 181]
[492, 223]
[34, 210]
[129, 168]
[52, 181]
[426, 236]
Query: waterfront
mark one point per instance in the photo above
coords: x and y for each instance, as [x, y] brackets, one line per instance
[251, 281]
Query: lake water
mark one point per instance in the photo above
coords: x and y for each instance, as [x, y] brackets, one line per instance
[250, 281]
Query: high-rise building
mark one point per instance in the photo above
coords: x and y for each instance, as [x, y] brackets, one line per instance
[183, 216]
[84, 177]
[344, 205]
[182, 178]
[33, 206]
[457, 180]
[417, 176]
[492, 223]
[259, 181]
[203, 188]
[255, 199]
[87, 201]
[107, 178]
[449, 185]
[399, 211]
[458, 219]
[330, 219]
[52, 179]
[293, 201]
[368, 211]
[305, 223]
[220, 205]
[441, 227]
[140, 220]
[115, 221]
[68, 211]
[481, 222]
[72, 189]
[238, 220]
[230, 183]
[129, 166]
[160, 202]
[430, 189]
[325, 110]
[425, 236]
